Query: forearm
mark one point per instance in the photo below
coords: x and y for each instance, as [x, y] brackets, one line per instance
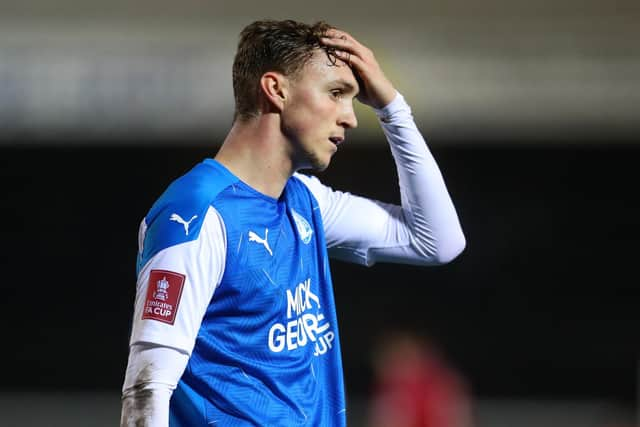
[146, 406]
[152, 374]
[428, 209]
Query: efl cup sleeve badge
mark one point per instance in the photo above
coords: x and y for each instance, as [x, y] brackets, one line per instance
[163, 296]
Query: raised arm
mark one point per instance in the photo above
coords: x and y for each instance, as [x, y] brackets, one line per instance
[425, 229]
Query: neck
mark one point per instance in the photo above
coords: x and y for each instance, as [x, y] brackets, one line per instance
[257, 153]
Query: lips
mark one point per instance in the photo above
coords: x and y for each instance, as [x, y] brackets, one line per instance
[337, 140]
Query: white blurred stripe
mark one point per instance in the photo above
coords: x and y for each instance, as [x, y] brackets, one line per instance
[471, 77]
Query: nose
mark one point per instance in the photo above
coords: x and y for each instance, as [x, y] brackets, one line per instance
[348, 118]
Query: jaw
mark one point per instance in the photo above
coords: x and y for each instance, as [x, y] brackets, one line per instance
[315, 158]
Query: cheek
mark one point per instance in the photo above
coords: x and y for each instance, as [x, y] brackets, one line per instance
[313, 107]
[307, 114]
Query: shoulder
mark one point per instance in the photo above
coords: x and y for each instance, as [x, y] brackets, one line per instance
[310, 184]
[179, 213]
[326, 197]
[307, 180]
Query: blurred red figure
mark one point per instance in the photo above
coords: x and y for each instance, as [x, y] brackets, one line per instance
[415, 387]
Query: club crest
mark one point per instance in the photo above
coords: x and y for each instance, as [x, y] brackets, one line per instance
[304, 229]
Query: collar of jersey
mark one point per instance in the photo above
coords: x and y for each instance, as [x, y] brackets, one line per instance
[216, 164]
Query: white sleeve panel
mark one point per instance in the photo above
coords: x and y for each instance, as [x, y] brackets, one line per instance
[202, 263]
[425, 230]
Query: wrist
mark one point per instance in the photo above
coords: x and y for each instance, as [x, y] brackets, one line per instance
[395, 109]
[386, 97]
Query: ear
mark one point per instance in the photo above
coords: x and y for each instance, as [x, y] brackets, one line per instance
[275, 89]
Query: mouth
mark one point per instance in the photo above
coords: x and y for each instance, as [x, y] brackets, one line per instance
[337, 140]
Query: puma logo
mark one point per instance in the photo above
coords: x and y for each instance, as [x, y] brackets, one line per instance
[177, 218]
[253, 237]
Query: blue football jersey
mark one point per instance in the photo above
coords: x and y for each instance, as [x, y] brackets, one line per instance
[267, 352]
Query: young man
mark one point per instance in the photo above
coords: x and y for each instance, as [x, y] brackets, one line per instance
[234, 321]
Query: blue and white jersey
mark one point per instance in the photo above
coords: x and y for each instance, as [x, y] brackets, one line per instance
[267, 350]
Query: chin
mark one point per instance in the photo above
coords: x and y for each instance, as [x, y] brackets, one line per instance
[317, 162]
[320, 164]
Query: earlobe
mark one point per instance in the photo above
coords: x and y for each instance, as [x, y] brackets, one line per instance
[274, 89]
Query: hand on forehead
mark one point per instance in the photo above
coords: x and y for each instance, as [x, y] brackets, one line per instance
[375, 88]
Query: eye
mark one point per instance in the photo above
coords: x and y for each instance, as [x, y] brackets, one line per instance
[336, 93]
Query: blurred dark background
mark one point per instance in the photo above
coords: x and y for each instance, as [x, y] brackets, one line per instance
[532, 112]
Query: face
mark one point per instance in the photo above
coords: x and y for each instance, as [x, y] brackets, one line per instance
[318, 111]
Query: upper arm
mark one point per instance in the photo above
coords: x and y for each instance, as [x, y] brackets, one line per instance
[176, 285]
[362, 230]
[366, 231]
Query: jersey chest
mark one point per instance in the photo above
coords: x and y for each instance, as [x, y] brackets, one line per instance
[275, 252]
[275, 293]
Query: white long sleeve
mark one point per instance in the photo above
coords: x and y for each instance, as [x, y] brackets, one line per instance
[152, 374]
[159, 351]
[425, 230]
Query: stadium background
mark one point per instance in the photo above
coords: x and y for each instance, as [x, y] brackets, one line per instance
[531, 109]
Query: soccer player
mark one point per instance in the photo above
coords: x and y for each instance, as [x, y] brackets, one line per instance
[234, 321]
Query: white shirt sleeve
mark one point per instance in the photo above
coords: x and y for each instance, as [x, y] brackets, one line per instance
[201, 262]
[425, 230]
[159, 352]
